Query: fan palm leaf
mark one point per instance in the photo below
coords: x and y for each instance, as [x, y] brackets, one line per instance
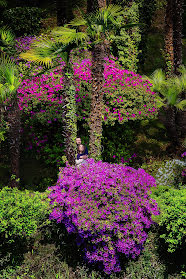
[6, 36]
[42, 51]
[67, 35]
[8, 77]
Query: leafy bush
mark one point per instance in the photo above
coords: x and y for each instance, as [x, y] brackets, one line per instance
[172, 220]
[21, 213]
[108, 207]
[125, 43]
[24, 20]
[171, 173]
[118, 149]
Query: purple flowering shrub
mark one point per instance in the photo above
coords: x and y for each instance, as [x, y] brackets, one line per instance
[108, 207]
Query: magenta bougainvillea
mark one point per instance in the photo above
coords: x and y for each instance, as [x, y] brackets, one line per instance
[127, 96]
[108, 207]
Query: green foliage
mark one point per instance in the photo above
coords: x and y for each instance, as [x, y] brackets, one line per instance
[152, 166]
[24, 20]
[172, 221]
[6, 38]
[21, 213]
[171, 173]
[125, 42]
[9, 80]
[169, 89]
[117, 149]
[153, 55]
[71, 118]
[3, 129]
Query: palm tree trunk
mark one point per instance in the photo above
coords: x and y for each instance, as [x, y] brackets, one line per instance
[64, 11]
[178, 11]
[70, 121]
[99, 52]
[170, 124]
[93, 5]
[95, 122]
[169, 49]
[14, 121]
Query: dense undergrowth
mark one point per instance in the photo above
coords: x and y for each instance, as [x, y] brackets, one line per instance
[43, 248]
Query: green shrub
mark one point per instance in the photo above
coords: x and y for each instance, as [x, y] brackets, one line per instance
[172, 220]
[118, 149]
[171, 173]
[21, 213]
[24, 20]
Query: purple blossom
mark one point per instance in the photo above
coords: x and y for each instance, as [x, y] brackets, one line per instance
[108, 207]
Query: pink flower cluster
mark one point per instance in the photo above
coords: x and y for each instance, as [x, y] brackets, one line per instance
[108, 207]
[126, 95]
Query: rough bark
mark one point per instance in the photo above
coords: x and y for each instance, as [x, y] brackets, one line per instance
[177, 36]
[14, 121]
[170, 123]
[102, 3]
[70, 122]
[92, 6]
[64, 11]
[99, 52]
[169, 49]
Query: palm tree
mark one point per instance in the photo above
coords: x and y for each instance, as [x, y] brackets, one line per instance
[177, 20]
[9, 82]
[44, 52]
[169, 98]
[98, 25]
[96, 33]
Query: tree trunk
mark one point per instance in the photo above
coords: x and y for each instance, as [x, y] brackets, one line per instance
[99, 52]
[170, 123]
[102, 3]
[14, 121]
[70, 121]
[93, 5]
[169, 49]
[177, 19]
[64, 11]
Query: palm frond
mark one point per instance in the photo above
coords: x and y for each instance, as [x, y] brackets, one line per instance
[77, 21]
[42, 52]
[9, 77]
[67, 35]
[181, 105]
[158, 79]
[160, 102]
[6, 35]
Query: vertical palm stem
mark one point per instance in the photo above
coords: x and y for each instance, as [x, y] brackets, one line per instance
[70, 127]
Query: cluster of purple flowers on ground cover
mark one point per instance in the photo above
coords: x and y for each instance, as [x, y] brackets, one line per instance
[108, 207]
